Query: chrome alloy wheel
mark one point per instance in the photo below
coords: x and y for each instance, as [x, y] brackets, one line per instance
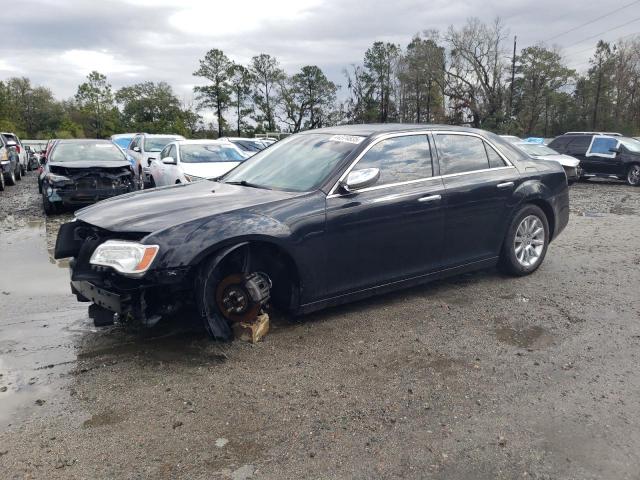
[528, 243]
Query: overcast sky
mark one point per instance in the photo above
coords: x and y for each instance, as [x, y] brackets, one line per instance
[57, 42]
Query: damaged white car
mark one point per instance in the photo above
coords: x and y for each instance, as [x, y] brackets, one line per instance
[538, 151]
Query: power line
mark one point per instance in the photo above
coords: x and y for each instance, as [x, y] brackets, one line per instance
[602, 33]
[593, 21]
[616, 40]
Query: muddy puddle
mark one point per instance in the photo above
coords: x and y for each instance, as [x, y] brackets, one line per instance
[40, 322]
[521, 336]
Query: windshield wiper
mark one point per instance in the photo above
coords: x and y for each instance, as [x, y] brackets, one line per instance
[244, 183]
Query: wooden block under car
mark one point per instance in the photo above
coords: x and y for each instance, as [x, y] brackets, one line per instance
[252, 332]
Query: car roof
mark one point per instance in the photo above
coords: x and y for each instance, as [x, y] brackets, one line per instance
[366, 130]
[203, 141]
[613, 134]
[84, 140]
[174, 135]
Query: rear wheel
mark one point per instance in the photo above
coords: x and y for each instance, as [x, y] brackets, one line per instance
[140, 179]
[526, 242]
[19, 172]
[633, 175]
[1, 181]
[152, 182]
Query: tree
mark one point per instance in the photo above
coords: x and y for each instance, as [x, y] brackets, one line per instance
[151, 107]
[307, 99]
[379, 61]
[475, 73]
[540, 77]
[95, 100]
[421, 78]
[267, 76]
[218, 69]
[241, 84]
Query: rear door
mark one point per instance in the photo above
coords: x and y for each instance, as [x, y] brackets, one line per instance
[577, 148]
[391, 230]
[479, 184]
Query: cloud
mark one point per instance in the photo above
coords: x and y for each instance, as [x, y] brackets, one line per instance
[86, 61]
[57, 42]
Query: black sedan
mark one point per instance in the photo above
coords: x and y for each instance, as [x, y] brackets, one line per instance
[320, 218]
[81, 172]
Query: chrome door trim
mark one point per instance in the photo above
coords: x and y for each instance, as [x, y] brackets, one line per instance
[430, 133]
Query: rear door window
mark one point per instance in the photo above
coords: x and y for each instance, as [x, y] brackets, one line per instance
[399, 159]
[579, 145]
[461, 153]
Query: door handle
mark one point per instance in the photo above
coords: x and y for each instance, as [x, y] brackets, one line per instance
[505, 185]
[431, 198]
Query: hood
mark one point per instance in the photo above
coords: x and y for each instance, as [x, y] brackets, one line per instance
[564, 160]
[90, 164]
[207, 169]
[147, 211]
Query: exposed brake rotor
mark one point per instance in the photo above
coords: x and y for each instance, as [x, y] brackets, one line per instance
[239, 297]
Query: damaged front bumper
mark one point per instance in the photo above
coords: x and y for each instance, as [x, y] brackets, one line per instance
[72, 195]
[144, 300]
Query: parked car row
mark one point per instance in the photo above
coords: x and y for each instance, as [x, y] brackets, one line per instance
[14, 159]
[586, 155]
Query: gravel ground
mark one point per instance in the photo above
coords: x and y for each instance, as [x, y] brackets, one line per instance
[480, 376]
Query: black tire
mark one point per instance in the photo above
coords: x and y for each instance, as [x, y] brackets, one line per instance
[19, 173]
[24, 170]
[11, 179]
[140, 179]
[152, 182]
[49, 207]
[509, 262]
[214, 322]
[39, 186]
[633, 175]
[1, 181]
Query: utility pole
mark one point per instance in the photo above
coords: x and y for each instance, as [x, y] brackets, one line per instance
[513, 75]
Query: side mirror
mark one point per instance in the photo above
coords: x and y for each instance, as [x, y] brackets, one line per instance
[614, 150]
[136, 149]
[169, 161]
[358, 179]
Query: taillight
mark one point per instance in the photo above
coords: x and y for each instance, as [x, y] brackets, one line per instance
[18, 149]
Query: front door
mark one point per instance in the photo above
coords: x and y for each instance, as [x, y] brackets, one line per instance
[601, 158]
[393, 229]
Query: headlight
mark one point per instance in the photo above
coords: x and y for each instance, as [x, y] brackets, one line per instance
[128, 258]
[53, 178]
[192, 178]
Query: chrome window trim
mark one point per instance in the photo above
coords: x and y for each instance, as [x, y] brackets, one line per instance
[432, 133]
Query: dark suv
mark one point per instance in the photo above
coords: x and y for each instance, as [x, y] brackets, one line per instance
[606, 155]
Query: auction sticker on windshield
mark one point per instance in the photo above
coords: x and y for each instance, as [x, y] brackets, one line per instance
[347, 139]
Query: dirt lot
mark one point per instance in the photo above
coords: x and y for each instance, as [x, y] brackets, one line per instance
[480, 376]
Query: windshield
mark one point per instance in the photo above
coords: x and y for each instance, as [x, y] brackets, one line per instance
[630, 144]
[537, 149]
[122, 142]
[209, 154]
[98, 152]
[155, 144]
[298, 163]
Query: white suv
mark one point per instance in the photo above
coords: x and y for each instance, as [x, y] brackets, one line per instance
[144, 148]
